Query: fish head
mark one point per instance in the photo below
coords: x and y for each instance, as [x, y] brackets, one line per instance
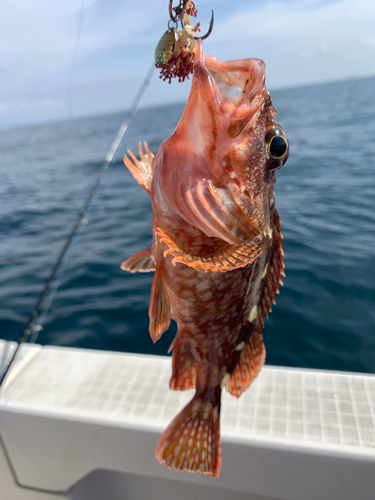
[229, 135]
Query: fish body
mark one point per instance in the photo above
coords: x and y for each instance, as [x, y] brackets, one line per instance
[217, 252]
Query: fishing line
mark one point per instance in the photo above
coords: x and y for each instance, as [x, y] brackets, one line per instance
[33, 326]
[74, 60]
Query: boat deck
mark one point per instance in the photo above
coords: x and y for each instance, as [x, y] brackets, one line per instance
[72, 418]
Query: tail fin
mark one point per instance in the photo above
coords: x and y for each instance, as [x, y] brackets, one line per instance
[192, 440]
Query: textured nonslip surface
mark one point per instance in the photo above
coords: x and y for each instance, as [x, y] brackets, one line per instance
[305, 407]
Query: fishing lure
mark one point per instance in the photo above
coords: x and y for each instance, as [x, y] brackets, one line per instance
[174, 54]
[217, 251]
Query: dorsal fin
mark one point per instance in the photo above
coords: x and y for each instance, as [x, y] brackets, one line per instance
[252, 358]
[275, 271]
[253, 352]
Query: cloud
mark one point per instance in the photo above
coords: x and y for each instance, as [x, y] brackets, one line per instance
[309, 24]
[301, 42]
[308, 19]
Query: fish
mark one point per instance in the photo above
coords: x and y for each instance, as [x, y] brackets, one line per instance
[217, 246]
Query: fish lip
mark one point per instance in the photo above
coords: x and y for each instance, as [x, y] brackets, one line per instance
[255, 68]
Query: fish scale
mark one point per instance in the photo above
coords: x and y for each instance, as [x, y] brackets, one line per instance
[217, 252]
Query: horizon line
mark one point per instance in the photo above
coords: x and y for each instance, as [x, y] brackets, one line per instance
[176, 103]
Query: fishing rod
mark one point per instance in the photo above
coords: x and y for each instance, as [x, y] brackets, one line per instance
[33, 326]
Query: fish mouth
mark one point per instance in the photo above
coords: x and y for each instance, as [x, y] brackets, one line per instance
[234, 95]
[236, 83]
[223, 107]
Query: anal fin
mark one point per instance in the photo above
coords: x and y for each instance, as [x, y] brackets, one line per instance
[141, 262]
[160, 307]
[184, 374]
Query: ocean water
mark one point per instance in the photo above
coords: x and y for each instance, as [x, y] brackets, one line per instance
[325, 313]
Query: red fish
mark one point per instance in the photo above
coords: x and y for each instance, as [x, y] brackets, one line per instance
[217, 252]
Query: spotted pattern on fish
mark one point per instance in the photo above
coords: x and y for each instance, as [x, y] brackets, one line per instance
[217, 251]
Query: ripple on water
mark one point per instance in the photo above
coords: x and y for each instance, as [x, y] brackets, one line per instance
[325, 314]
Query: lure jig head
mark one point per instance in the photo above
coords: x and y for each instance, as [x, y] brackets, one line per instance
[167, 43]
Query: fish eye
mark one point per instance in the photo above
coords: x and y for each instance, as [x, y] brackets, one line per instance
[277, 146]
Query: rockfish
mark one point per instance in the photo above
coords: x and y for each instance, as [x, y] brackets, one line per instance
[217, 251]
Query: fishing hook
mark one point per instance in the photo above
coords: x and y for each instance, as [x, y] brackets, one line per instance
[187, 32]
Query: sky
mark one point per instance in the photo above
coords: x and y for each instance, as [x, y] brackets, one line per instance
[301, 41]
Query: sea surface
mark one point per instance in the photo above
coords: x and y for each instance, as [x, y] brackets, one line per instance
[325, 194]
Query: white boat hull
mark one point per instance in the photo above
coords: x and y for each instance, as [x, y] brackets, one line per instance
[82, 424]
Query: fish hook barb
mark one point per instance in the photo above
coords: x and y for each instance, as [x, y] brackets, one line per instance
[184, 27]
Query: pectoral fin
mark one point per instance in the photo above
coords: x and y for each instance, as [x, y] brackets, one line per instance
[141, 262]
[213, 210]
[141, 169]
[221, 257]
